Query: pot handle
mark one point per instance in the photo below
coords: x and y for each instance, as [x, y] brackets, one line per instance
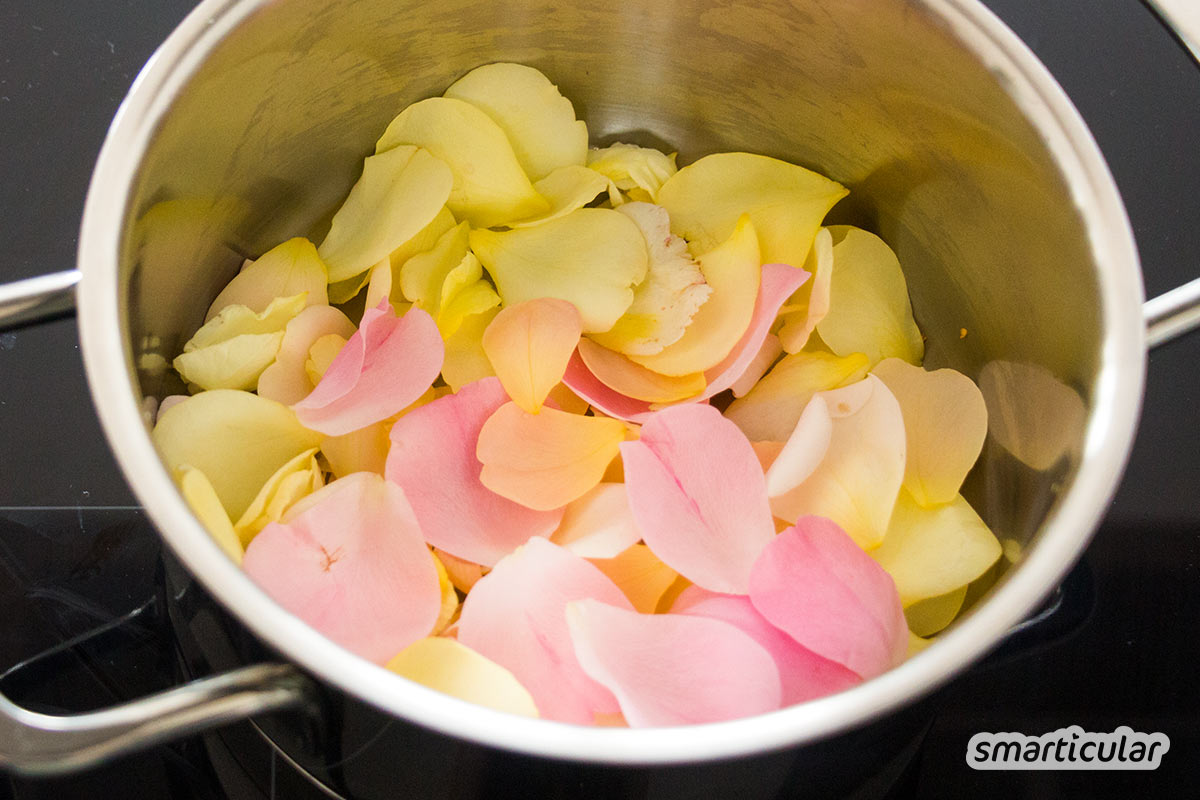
[37, 299]
[41, 744]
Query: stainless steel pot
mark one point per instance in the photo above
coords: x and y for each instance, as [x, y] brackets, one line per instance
[960, 149]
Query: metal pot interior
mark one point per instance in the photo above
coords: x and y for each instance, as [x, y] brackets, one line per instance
[956, 152]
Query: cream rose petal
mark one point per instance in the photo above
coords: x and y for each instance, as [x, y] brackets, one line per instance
[598, 524]
[810, 304]
[288, 269]
[453, 668]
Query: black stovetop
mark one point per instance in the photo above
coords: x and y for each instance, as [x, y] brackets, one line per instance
[81, 619]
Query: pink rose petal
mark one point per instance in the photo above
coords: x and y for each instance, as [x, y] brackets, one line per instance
[803, 674]
[698, 495]
[386, 365]
[815, 584]
[516, 617]
[779, 281]
[672, 669]
[351, 562]
[433, 460]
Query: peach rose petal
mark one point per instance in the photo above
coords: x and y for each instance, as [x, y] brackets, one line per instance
[545, 460]
[433, 459]
[386, 365]
[285, 381]
[562, 397]
[804, 674]
[945, 423]
[633, 380]
[515, 616]
[640, 574]
[859, 478]
[815, 584]
[599, 524]
[351, 562]
[699, 496]
[529, 345]
[463, 574]
[672, 669]
[454, 669]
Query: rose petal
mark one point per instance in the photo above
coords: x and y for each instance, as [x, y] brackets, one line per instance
[538, 121]
[321, 357]
[350, 561]
[285, 381]
[424, 274]
[632, 167]
[945, 423]
[363, 450]
[466, 362]
[640, 574]
[454, 669]
[198, 491]
[785, 202]
[929, 616]
[770, 410]
[815, 584]
[489, 186]
[670, 669]
[286, 270]
[592, 258]
[804, 675]
[699, 496]
[733, 271]
[869, 309]
[449, 608]
[515, 617]
[632, 380]
[433, 460]
[400, 192]
[809, 305]
[858, 480]
[777, 282]
[548, 459]
[463, 574]
[566, 189]
[296, 479]
[768, 352]
[235, 321]
[803, 451]
[237, 439]
[599, 524]
[233, 364]
[666, 301]
[465, 293]
[529, 345]
[387, 364]
[933, 551]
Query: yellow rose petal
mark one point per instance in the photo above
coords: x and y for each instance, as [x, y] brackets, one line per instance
[665, 303]
[465, 361]
[770, 410]
[529, 345]
[633, 380]
[945, 423]
[322, 353]
[465, 292]
[592, 258]
[424, 274]
[566, 189]
[932, 551]
[733, 271]
[456, 670]
[785, 202]
[809, 305]
[629, 167]
[238, 320]
[400, 192]
[237, 439]
[869, 310]
[286, 270]
[198, 491]
[449, 597]
[296, 479]
[233, 364]
[489, 186]
[539, 122]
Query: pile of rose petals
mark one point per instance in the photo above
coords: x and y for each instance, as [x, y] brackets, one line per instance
[571, 433]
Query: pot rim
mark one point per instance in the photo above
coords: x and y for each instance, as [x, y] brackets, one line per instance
[1117, 395]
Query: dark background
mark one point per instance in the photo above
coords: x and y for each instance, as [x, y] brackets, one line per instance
[73, 552]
